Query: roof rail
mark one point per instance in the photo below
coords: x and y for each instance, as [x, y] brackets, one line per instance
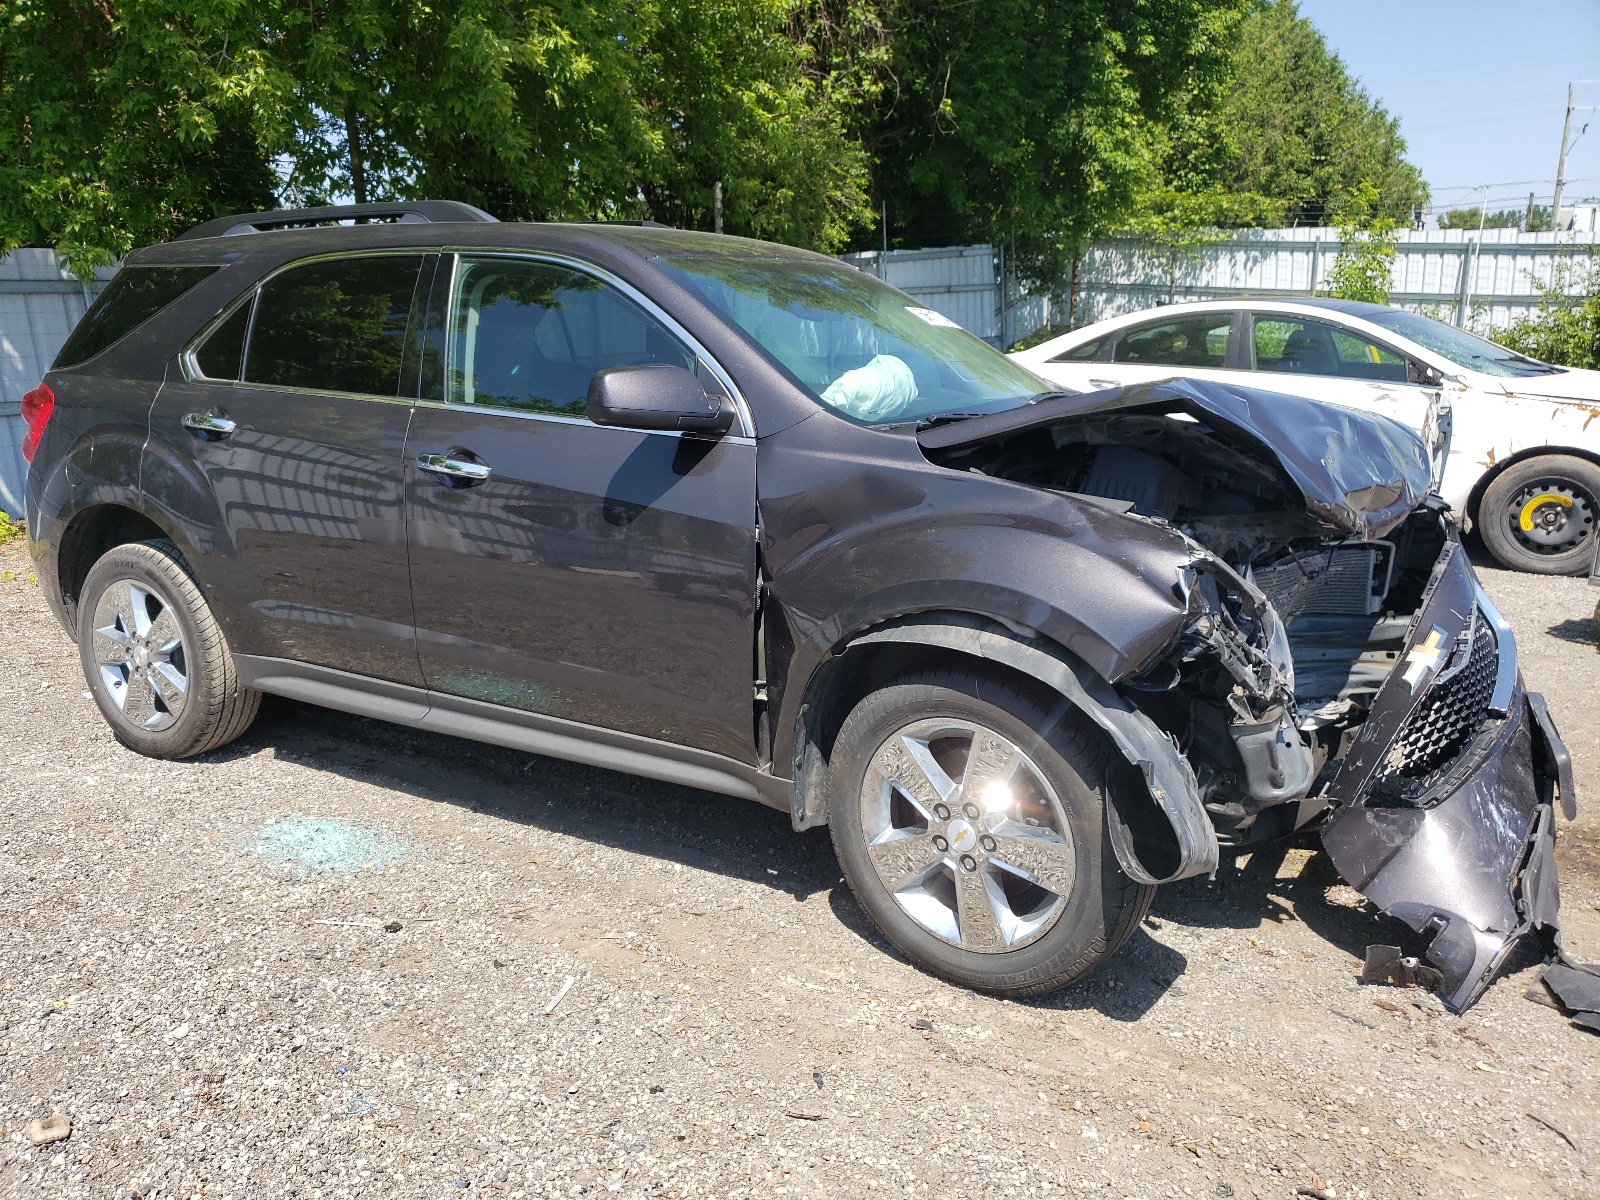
[400, 212]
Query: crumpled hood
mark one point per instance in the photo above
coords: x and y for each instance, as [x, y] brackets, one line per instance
[1360, 473]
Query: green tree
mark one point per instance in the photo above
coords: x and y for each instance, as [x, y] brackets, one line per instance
[1566, 328]
[1508, 218]
[124, 121]
[1025, 124]
[1367, 235]
[1287, 135]
[120, 126]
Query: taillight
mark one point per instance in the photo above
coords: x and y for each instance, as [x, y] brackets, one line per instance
[37, 406]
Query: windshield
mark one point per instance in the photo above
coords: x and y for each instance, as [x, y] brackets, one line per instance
[861, 347]
[1460, 347]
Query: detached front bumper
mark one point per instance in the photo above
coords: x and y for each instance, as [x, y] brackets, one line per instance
[1445, 807]
[1478, 868]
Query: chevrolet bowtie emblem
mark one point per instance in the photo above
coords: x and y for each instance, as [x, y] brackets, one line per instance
[1425, 658]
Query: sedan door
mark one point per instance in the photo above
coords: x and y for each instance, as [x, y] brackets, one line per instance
[598, 575]
[290, 410]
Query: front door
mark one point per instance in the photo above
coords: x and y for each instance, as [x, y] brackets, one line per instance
[598, 575]
[293, 417]
[1324, 361]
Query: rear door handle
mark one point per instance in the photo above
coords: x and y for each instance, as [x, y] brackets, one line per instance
[457, 470]
[210, 423]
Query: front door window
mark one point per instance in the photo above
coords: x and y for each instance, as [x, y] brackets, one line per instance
[530, 336]
[1298, 346]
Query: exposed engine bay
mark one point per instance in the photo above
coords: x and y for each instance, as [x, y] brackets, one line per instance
[1293, 626]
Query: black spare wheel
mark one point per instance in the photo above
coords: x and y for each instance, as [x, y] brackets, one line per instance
[967, 813]
[154, 656]
[1540, 515]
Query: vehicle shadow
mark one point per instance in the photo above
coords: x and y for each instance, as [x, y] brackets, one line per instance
[743, 840]
[1254, 891]
[732, 837]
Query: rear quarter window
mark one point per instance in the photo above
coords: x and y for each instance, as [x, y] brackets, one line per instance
[134, 295]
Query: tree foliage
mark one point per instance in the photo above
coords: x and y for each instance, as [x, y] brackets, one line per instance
[1367, 235]
[1566, 328]
[1025, 124]
[1506, 218]
[1033, 124]
[1292, 135]
[123, 121]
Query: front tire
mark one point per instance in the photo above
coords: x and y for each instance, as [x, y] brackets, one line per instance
[968, 817]
[1540, 515]
[154, 657]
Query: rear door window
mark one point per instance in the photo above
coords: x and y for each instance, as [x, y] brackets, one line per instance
[530, 336]
[335, 325]
[134, 295]
[1194, 341]
[1084, 353]
[1299, 346]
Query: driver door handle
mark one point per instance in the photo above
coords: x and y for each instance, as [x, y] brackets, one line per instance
[455, 469]
[211, 423]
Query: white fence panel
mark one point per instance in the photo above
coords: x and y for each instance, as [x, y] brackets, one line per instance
[1481, 280]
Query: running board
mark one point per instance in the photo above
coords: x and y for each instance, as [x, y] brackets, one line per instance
[533, 733]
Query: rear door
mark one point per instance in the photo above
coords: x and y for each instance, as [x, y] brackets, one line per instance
[291, 411]
[598, 575]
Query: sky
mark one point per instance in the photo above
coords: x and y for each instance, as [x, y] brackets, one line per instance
[1480, 88]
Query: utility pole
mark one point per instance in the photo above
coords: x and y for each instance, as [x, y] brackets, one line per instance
[716, 206]
[1561, 164]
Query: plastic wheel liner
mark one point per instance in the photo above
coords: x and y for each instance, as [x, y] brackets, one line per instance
[1445, 803]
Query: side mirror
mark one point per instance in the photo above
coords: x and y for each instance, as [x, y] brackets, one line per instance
[655, 396]
[1421, 373]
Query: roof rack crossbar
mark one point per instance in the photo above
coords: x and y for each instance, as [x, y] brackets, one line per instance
[403, 212]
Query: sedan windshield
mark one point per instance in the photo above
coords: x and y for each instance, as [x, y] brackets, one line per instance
[1460, 347]
[860, 346]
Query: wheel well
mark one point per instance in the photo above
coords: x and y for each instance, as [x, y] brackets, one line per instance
[1475, 497]
[847, 678]
[87, 539]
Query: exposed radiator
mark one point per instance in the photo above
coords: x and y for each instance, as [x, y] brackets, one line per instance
[1343, 581]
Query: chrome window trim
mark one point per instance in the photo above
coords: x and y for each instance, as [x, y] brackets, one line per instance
[692, 343]
[186, 357]
[490, 410]
[191, 368]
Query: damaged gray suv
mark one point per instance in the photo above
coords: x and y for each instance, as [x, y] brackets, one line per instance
[742, 517]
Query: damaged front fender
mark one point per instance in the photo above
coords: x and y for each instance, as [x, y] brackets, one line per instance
[1160, 835]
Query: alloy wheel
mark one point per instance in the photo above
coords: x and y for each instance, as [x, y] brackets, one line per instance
[140, 654]
[967, 835]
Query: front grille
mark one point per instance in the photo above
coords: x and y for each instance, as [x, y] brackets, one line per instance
[1437, 733]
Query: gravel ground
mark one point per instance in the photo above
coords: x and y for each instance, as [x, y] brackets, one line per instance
[220, 1018]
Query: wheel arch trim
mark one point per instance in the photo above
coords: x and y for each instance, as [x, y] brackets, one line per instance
[1159, 829]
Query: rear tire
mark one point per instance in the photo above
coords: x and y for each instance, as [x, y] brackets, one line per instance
[1540, 515]
[154, 657]
[997, 877]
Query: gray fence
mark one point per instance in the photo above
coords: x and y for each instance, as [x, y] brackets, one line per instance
[1477, 280]
[40, 302]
